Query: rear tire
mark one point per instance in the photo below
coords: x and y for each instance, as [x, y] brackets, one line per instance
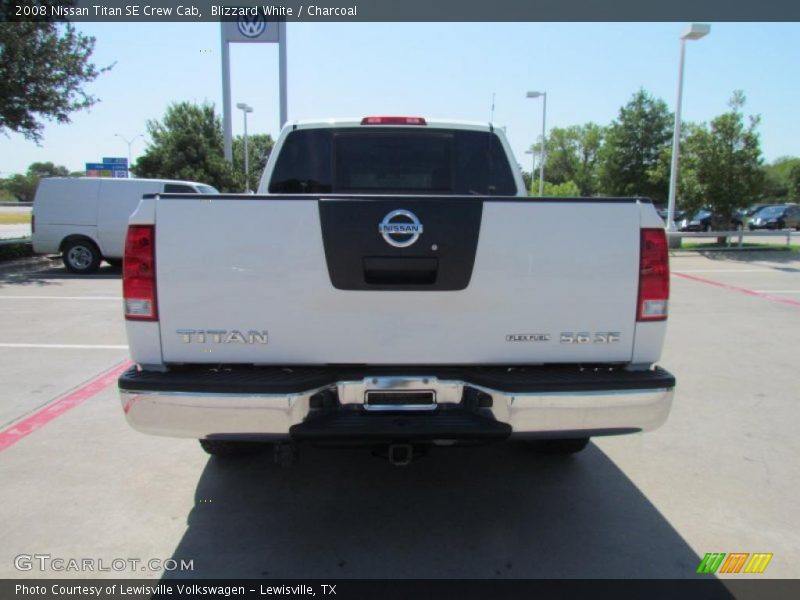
[230, 449]
[81, 256]
[559, 446]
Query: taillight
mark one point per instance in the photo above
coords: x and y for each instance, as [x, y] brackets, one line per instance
[393, 121]
[653, 276]
[33, 223]
[139, 274]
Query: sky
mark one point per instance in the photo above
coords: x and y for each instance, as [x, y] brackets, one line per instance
[434, 70]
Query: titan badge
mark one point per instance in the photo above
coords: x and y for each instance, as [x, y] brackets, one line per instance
[222, 336]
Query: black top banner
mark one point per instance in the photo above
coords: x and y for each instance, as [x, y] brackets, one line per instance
[402, 10]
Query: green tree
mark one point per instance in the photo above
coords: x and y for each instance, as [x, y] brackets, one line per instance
[794, 183]
[527, 180]
[573, 155]
[23, 187]
[568, 189]
[722, 162]
[779, 181]
[43, 68]
[187, 144]
[688, 196]
[633, 145]
[259, 147]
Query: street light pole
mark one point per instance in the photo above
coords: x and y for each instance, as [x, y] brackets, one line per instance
[544, 144]
[694, 32]
[544, 151]
[130, 143]
[246, 109]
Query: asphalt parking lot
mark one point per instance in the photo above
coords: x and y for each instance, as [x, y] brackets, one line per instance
[721, 476]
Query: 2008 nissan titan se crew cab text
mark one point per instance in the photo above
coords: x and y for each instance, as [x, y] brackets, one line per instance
[393, 285]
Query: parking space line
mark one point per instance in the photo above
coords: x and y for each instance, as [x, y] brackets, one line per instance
[14, 433]
[741, 290]
[68, 346]
[60, 297]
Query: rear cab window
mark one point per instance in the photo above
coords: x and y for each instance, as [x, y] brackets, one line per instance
[392, 160]
[178, 188]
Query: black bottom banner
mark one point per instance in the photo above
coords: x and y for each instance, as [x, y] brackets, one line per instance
[381, 589]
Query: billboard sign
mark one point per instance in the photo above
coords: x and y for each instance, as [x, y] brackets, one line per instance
[107, 169]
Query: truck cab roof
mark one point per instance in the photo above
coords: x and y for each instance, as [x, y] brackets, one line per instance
[358, 121]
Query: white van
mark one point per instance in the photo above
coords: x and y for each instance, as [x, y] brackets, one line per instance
[85, 218]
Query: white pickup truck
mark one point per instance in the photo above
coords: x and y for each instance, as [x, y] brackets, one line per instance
[391, 284]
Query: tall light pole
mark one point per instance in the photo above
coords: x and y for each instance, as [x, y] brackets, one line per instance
[694, 32]
[246, 109]
[130, 143]
[543, 153]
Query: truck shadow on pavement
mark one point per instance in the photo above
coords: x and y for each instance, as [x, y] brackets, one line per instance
[497, 511]
[43, 273]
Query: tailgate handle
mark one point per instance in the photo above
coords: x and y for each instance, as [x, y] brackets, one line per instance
[400, 270]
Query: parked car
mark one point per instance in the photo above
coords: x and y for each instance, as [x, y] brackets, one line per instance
[705, 220]
[678, 216]
[85, 218]
[780, 216]
[749, 212]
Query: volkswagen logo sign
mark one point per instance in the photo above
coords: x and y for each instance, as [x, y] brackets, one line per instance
[400, 228]
[251, 26]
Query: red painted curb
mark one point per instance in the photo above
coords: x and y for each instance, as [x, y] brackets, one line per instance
[741, 290]
[14, 433]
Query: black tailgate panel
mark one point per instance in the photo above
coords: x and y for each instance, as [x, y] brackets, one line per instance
[441, 259]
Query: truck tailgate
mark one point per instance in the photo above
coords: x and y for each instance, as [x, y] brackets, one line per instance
[312, 273]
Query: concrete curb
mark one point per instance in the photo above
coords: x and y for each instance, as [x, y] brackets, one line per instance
[12, 241]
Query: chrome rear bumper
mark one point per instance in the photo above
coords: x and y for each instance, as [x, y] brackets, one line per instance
[544, 413]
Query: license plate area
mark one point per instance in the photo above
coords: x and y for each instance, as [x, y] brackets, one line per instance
[399, 392]
[400, 400]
